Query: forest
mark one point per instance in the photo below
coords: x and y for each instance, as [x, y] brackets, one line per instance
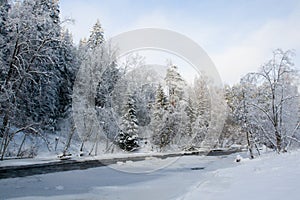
[63, 98]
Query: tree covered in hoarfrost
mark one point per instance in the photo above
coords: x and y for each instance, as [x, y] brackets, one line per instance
[4, 20]
[68, 67]
[232, 133]
[94, 64]
[246, 117]
[30, 75]
[201, 109]
[98, 75]
[275, 99]
[103, 103]
[69, 63]
[169, 119]
[129, 81]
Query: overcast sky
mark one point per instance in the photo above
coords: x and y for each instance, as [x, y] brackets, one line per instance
[238, 35]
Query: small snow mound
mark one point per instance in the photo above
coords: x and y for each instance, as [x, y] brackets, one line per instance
[129, 162]
[238, 158]
[120, 163]
[151, 158]
[59, 187]
[81, 153]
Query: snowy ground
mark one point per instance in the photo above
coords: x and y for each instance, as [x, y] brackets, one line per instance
[269, 177]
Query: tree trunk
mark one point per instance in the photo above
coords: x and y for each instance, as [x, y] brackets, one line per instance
[68, 144]
[278, 141]
[21, 145]
[5, 140]
[249, 144]
[90, 153]
[81, 147]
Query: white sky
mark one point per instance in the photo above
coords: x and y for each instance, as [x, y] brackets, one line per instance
[238, 35]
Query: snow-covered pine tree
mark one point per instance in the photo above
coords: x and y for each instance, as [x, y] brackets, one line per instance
[97, 36]
[175, 119]
[202, 109]
[68, 68]
[106, 85]
[128, 136]
[161, 102]
[190, 112]
[159, 121]
[95, 62]
[175, 84]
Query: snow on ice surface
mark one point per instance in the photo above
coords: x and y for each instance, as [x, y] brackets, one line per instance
[269, 177]
[108, 183]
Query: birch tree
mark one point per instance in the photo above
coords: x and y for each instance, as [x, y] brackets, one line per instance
[277, 97]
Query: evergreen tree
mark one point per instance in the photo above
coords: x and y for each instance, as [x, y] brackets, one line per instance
[161, 99]
[190, 112]
[128, 136]
[175, 84]
[67, 70]
[106, 85]
[202, 109]
[97, 36]
[160, 119]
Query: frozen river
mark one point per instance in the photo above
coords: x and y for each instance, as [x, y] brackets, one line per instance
[152, 178]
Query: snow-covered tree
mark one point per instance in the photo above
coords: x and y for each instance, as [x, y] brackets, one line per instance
[128, 136]
[161, 102]
[103, 102]
[241, 122]
[166, 122]
[202, 109]
[94, 64]
[277, 96]
[160, 135]
[97, 36]
[190, 112]
[68, 67]
[28, 87]
[106, 85]
[232, 133]
[175, 84]
[40, 29]
[4, 20]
